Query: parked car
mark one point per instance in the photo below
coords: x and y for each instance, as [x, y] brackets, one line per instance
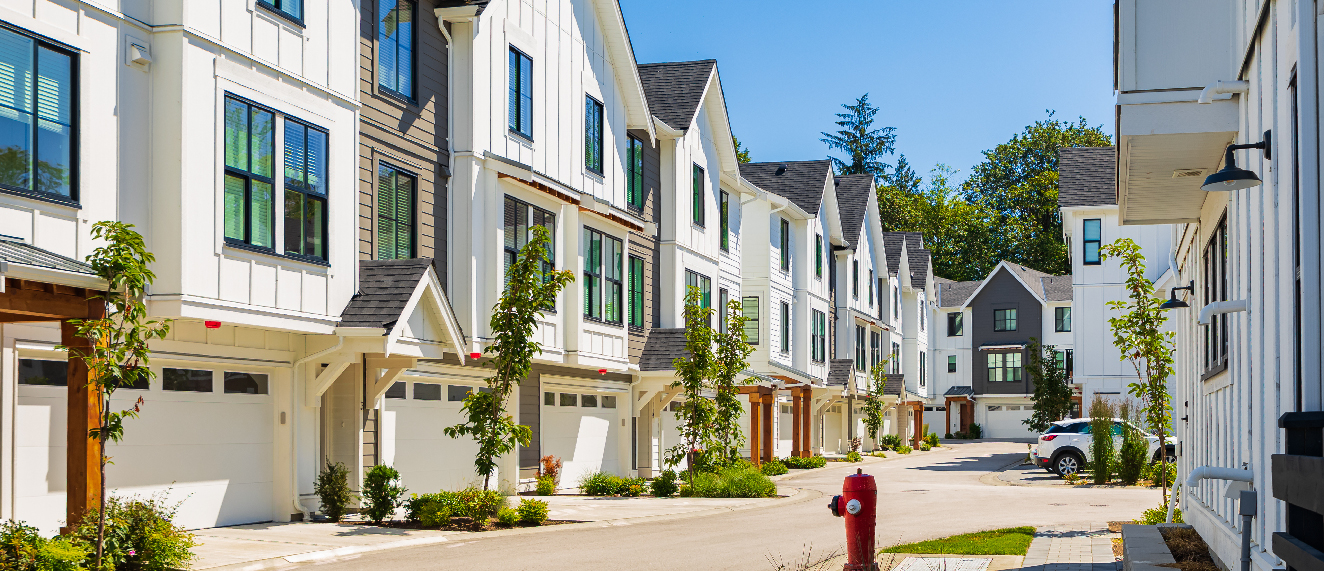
[1065, 447]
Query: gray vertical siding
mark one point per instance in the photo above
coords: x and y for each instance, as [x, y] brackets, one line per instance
[1002, 291]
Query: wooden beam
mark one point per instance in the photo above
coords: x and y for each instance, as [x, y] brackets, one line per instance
[323, 381]
[378, 387]
[755, 402]
[83, 453]
[36, 304]
[796, 436]
[768, 405]
[806, 397]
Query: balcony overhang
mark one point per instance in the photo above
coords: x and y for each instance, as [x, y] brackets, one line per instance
[1165, 151]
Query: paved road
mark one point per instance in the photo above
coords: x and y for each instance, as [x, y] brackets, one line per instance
[922, 496]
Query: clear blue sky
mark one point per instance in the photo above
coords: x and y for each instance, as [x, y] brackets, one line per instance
[955, 77]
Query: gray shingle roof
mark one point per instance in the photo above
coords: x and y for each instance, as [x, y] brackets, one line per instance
[675, 90]
[892, 244]
[481, 4]
[840, 372]
[960, 391]
[1057, 288]
[919, 266]
[385, 287]
[662, 348]
[853, 203]
[894, 384]
[22, 254]
[953, 294]
[801, 181]
[1087, 176]
[1031, 277]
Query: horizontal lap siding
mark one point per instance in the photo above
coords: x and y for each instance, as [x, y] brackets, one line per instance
[645, 246]
[410, 136]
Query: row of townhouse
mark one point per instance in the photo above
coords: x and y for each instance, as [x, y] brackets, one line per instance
[333, 193]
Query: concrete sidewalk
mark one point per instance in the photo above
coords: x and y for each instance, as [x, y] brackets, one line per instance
[281, 545]
[1073, 548]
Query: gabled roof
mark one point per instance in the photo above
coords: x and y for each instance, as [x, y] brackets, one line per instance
[1087, 176]
[802, 182]
[894, 384]
[1032, 278]
[663, 347]
[919, 266]
[952, 293]
[894, 243]
[840, 372]
[675, 90]
[385, 287]
[23, 254]
[853, 203]
[960, 391]
[1040, 284]
[1057, 288]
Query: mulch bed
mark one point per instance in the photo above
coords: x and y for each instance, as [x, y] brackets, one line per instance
[1190, 551]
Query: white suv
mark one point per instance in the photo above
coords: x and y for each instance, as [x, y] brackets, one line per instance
[1065, 447]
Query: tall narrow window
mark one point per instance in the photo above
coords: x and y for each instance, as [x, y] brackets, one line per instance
[592, 134]
[520, 218]
[703, 283]
[1061, 319]
[869, 285]
[723, 298]
[1215, 289]
[896, 302]
[875, 349]
[786, 327]
[724, 222]
[1004, 320]
[749, 305]
[395, 213]
[613, 262]
[923, 368]
[636, 291]
[951, 363]
[855, 278]
[395, 46]
[592, 274]
[634, 174]
[955, 327]
[1093, 237]
[250, 149]
[305, 190]
[860, 349]
[602, 276]
[819, 339]
[818, 255]
[37, 141]
[520, 100]
[785, 237]
[697, 185]
[896, 358]
[290, 8]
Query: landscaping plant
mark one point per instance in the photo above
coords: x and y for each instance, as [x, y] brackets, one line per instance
[531, 287]
[138, 533]
[478, 504]
[22, 548]
[431, 510]
[1134, 453]
[382, 492]
[890, 441]
[546, 486]
[730, 359]
[600, 484]
[664, 485]
[507, 517]
[742, 480]
[773, 468]
[1159, 514]
[1138, 333]
[332, 489]
[1102, 448]
[532, 512]
[804, 463]
[853, 456]
[975, 431]
[550, 467]
[924, 447]
[903, 449]
[1052, 388]
[117, 354]
[697, 413]
[1154, 472]
[873, 401]
[932, 439]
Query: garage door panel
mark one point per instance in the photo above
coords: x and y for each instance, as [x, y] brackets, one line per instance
[585, 439]
[427, 459]
[1006, 421]
[137, 465]
[212, 504]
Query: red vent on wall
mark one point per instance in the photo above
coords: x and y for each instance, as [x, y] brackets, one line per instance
[212, 324]
[475, 355]
[602, 371]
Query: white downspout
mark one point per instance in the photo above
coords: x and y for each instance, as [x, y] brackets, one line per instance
[1221, 87]
[294, 425]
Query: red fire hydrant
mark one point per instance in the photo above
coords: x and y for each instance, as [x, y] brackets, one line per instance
[858, 503]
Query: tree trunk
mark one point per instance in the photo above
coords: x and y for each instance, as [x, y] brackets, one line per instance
[101, 513]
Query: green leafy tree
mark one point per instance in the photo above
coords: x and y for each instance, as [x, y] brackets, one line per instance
[531, 286]
[863, 144]
[119, 353]
[1052, 389]
[873, 402]
[731, 358]
[697, 413]
[742, 153]
[958, 233]
[1017, 181]
[1138, 333]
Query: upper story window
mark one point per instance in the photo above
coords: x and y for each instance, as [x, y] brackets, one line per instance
[896, 358]
[395, 47]
[923, 313]
[1093, 237]
[1216, 289]
[723, 312]
[520, 100]
[955, 325]
[749, 305]
[520, 217]
[250, 157]
[859, 348]
[592, 134]
[603, 257]
[724, 219]
[923, 368]
[785, 238]
[951, 363]
[786, 327]
[1062, 319]
[855, 278]
[819, 339]
[305, 190]
[869, 284]
[1004, 367]
[875, 349]
[636, 285]
[1004, 320]
[290, 8]
[697, 185]
[818, 255]
[704, 284]
[896, 302]
[37, 141]
[395, 213]
[634, 174]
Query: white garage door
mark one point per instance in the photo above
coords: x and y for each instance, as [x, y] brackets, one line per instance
[582, 429]
[1005, 421]
[413, 441]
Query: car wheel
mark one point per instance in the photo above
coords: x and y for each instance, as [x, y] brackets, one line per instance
[1172, 458]
[1067, 463]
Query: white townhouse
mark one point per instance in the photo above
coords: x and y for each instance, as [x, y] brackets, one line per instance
[549, 123]
[1087, 195]
[953, 358]
[910, 290]
[1218, 136]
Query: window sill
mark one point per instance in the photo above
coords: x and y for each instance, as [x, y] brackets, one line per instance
[1213, 372]
[523, 139]
[595, 175]
[392, 95]
[42, 197]
[280, 14]
[267, 252]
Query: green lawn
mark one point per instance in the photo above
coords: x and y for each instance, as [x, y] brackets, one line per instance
[1010, 541]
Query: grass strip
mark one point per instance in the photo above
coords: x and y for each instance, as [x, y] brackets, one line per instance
[1009, 541]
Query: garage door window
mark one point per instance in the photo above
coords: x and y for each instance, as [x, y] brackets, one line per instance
[186, 380]
[994, 408]
[549, 399]
[455, 393]
[427, 391]
[569, 399]
[608, 401]
[588, 401]
[397, 391]
[245, 383]
[49, 373]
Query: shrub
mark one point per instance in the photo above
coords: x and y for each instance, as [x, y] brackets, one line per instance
[1157, 515]
[546, 485]
[924, 447]
[507, 517]
[932, 439]
[773, 468]
[962, 436]
[804, 463]
[949, 436]
[878, 454]
[1131, 461]
[382, 492]
[532, 512]
[1154, 473]
[139, 534]
[478, 504]
[631, 487]
[664, 485]
[890, 441]
[742, 481]
[1102, 450]
[332, 489]
[431, 510]
[22, 548]
[975, 430]
[550, 467]
[903, 449]
[853, 456]
[600, 484]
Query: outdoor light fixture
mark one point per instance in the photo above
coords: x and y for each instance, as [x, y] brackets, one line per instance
[1173, 302]
[475, 355]
[211, 324]
[602, 371]
[1233, 177]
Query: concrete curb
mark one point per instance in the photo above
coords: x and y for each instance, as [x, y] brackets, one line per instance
[992, 479]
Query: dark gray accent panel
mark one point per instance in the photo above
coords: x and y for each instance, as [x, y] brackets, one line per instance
[1002, 291]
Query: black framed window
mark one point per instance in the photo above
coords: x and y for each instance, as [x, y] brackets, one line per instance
[521, 93]
[395, 213]
[749, 305]
[1093, 237]
[819, 340]
[636, 284]
[186, 380]
[602, 276]
[875, 349]
[1004, 320]
[723, 298]
[703, 283]
[290, 8]
[697, 186]
[855, 278]
[869, 284]
[397, 390]
[818, 256]
[42, 372]
[592, 274]
[395, 46]
[724, 221]
[786, 327]
[896, 358]
[519, 219]
[305, 190]
[250, 157]
[951, 363]
[923, 368]
[613, 273]
[634, 174]
[955, 324]
[1062, 319]
[896, 302]
[785, 243]
[860, 350]
[1215, 289]
[593, 134]
[1004, 367]
[38, 135]
[245, 383]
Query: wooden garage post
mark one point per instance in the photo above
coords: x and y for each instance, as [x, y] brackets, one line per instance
[754, 401]
[83, 459]
[806, 408]
[796, 410]
[918, 406]
[768, 404]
